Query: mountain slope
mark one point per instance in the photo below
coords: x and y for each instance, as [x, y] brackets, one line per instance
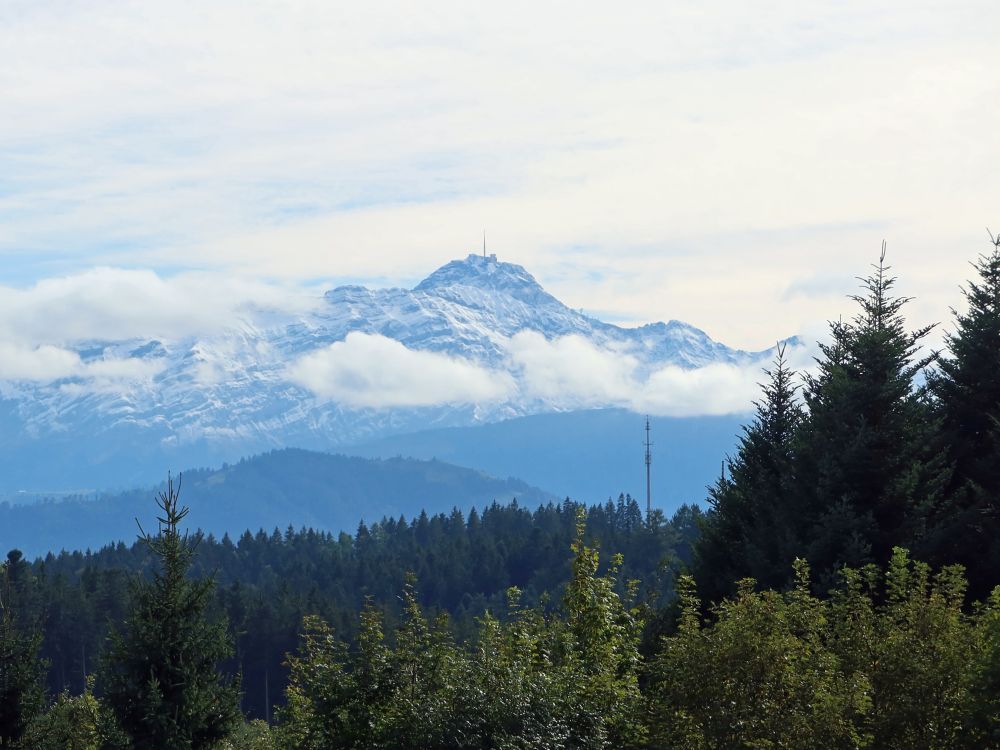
[273, 490]
[220, 396]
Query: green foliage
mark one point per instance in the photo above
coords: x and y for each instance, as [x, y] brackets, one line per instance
[319, 697]
[71, 723]
[513, 697]
[887, 662]
[760, 676]
[74, 722]
[601, 652]
[22, 692]
[537, 681]
[986, 680]
[917, 647]
[161, 677]
[253, 735]
[375, 696]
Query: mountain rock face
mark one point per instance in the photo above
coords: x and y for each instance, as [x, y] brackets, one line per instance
[222, 396]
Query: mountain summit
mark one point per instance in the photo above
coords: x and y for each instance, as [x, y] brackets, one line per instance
[486, 273]
[478, 340]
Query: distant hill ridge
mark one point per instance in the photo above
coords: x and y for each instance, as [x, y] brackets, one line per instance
[278, 489]
[588, 455]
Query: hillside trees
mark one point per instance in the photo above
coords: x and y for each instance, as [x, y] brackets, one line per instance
[161, 677]
[268, 582]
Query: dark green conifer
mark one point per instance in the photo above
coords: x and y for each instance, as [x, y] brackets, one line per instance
[22, 673]
[966, 386]
[161, 677]
[754, 526]
[867, 469]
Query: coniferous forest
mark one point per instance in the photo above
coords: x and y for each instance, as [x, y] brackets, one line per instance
[837, 591]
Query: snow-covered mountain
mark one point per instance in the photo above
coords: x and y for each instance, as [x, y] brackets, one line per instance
[215, 397]
[468, 307]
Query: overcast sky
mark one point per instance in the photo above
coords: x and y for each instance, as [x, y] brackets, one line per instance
[730, 164]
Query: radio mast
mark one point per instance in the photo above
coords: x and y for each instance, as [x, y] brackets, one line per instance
[649, 461]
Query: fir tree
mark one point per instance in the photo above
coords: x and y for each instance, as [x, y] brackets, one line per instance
[754, 526]
[22, 673]
[161, 676]
[966, 386]
[865, 468]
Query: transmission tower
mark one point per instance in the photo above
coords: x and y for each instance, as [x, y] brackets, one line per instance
[649, 461]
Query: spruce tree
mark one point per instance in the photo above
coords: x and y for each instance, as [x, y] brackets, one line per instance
[966, 386]
[866, 470]
[161, 677]
[22, 672]
[754, 526]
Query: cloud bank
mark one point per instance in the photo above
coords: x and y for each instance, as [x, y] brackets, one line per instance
[42, 363]
[367, 370]
[43, 325]
[565, 373]
[47, 364]
[574, 373]
[114, 304]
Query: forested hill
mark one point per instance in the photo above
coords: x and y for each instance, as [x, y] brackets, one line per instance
[268, 581]
[288, 487]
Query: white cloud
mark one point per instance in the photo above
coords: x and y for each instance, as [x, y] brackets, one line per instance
[367, 370]
[47, 363]
[43, 363]
[42, 324]
[571, 372]
[114, 304]
[713, 389]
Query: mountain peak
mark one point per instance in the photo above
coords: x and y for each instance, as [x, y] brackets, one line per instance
[486, 273]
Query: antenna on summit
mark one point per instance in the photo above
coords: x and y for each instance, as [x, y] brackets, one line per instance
[484, 243]
[649, 461]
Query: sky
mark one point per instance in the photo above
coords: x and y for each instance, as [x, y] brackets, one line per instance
[734, 165]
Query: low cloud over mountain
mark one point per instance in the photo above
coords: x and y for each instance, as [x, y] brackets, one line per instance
[243, 367]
